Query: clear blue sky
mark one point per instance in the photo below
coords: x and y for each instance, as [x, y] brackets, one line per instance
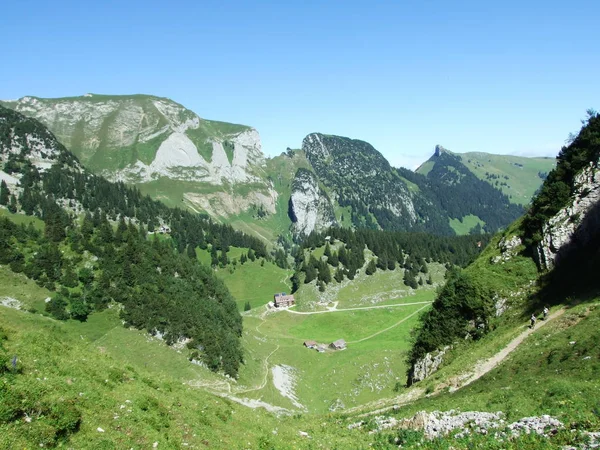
[501, 77]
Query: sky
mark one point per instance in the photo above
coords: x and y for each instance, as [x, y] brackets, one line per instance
[501, 77]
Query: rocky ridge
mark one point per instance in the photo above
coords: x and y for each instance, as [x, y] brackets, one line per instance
[94, 126]
[441, 423]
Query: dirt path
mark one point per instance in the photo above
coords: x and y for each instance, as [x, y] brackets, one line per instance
[480, 369]
[485, 366]
[390, 327]
[357, 308]
[266, 377]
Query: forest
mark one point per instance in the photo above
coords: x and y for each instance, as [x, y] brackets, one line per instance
[96, 249]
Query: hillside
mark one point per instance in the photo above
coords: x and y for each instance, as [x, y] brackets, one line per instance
[94, 250]
[517, 177]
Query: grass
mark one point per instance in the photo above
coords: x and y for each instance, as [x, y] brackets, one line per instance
[19, 287]
[553, 372]
[519, 173]
[363, 372]
[254, 281]
[22, 219]
[75, 392]
[464, 225]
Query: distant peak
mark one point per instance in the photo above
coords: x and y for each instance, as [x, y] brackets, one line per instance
[439, 149]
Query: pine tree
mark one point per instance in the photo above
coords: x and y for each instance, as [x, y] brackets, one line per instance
[12, 206]
[371, 267]
[324, 273]
[4, 193]
[247, 306]
[191, 252]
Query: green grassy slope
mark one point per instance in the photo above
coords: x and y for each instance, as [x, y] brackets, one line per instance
[464, 225]
[520, 175]
[74, 387]
[516, 176]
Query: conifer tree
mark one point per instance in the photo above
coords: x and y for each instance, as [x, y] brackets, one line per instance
[4, 193]
[371, 267]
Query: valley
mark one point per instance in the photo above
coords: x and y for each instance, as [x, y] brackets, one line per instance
[126, 322]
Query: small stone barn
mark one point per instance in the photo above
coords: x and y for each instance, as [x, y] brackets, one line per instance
[340, 344]
[310, 344]
[283, 300]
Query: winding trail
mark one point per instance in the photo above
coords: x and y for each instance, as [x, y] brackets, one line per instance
[481, 368]
[390, 327]
[332, 310]
[485, 366]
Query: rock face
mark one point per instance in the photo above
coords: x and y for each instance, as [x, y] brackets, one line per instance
[309, 207]
[574, 226]
[141, 138]
[361, 178]
[427, 365]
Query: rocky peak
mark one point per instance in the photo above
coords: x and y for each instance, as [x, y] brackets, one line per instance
[439, 150]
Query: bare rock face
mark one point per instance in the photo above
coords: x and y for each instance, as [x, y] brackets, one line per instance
[140, 138]
[427, 365]
[574, 226]
[309, 208]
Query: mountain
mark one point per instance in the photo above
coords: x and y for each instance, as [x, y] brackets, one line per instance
[171, 154]
[464, 196]
[361, 184]
[516, 176]
[95, 248]
[160, 146]
[549, 256]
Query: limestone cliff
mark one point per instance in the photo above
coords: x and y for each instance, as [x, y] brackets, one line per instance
[309, 207]
[140, 138]
[574, 226]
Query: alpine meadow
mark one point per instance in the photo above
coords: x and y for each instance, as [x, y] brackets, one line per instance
[250, 236]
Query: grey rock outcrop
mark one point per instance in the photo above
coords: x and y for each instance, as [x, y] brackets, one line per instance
[442, 423]
[309, 207]
[427, 365]
[509, 247]
[574, 226]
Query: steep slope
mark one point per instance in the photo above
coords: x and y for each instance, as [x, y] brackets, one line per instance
[360, 179]
[94, 250]
[462, 194]
[515, 176]
[559, 232]
[157, 143]
[310, 207]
